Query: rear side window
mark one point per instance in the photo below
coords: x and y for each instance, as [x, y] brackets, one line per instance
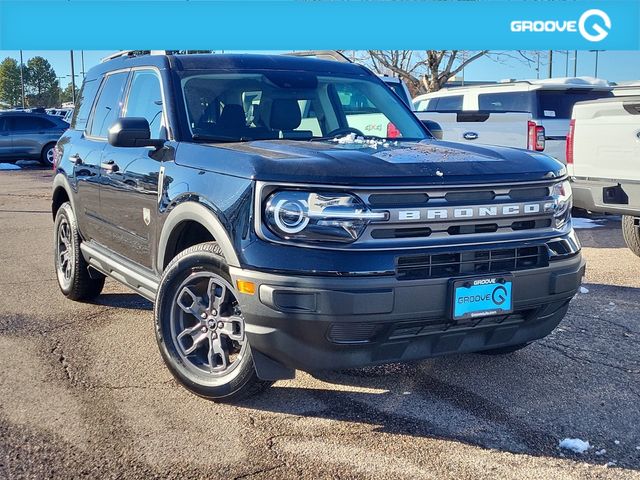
[108, 105]
[84, 103]
[145, 100]
[505, 102]
[451, 102]
[28, 123]
[559, 103]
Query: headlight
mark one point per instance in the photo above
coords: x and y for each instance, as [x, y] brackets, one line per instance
[318, 216]
[561, 193]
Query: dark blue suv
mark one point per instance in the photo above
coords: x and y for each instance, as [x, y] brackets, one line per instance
[290, 213]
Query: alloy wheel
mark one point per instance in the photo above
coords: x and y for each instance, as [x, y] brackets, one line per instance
[207, 327]
[64, 251]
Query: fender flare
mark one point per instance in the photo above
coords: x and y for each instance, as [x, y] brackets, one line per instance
[62, 182]
[190, 211]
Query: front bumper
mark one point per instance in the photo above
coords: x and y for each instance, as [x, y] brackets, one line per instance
[321, 323]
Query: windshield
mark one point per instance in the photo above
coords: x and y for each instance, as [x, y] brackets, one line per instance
[231, 107]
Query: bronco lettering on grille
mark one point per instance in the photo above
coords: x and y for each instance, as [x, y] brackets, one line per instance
[471, 213]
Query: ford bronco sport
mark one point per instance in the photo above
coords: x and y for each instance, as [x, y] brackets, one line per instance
[272, 235]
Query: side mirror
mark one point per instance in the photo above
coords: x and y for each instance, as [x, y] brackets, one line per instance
[132, 132]
[434, 128]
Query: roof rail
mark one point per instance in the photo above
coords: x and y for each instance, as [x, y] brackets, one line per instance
[134, 53]
[321, 54]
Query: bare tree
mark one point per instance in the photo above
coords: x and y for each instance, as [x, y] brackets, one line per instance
[429, 70]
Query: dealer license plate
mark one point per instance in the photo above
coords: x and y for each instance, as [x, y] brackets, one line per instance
[481, 297]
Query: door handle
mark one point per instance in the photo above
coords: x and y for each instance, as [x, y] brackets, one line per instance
[75, 159]
[110, 166]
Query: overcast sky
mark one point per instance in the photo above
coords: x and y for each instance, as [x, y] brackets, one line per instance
[615, 66]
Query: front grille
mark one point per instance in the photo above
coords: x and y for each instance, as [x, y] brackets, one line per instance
[438, 265]
[470, 214]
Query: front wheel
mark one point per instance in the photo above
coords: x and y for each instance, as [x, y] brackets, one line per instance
[631, 234]
[200, 328]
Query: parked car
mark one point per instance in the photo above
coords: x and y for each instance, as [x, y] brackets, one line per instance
[58, 112]
[548, 104]
[29, 136]
[603, 151]
[268, 245]
[629, 90]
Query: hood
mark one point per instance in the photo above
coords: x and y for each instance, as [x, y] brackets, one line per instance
[370, 163]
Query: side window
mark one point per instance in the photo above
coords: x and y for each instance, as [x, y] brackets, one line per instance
[451, 102]
[84, 101]
[22, 124]
[42, 124]
[505, 102]
[109, 104]
[145, 100]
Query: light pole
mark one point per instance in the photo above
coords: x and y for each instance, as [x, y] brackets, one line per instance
[597, 52]
[22, 78]
[550, 63]
[73, 80]
[575, 63]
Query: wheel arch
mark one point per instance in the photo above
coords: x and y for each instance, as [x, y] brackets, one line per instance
[191, 213]
[61, 192]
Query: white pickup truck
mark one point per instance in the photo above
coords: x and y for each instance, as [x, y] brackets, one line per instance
[525, 114]
[603, 159]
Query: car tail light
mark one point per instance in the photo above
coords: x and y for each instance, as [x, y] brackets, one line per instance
[535, 137]
[392, 131]
[572, 128]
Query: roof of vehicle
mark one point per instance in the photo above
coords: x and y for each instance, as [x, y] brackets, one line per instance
[229, 62]
[565, 83]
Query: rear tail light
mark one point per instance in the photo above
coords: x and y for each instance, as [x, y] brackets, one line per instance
[535, 137]
[392, 131]
[572, 129]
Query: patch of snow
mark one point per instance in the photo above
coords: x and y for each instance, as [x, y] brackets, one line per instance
[617, 442]
[587, 223]
[575, 445]
[610, 464]
[584, 290]
[9, 166]
[599, 453]
[638, 447]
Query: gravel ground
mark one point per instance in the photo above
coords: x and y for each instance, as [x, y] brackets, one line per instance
[84, 393]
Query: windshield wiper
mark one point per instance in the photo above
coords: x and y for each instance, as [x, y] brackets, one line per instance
[219, 138]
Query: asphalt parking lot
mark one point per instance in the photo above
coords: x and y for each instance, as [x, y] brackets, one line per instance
[84, 393]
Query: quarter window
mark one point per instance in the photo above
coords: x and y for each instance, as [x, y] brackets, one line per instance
[145, 100]
[109, 104]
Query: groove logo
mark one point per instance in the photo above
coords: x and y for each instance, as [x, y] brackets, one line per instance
[594, 25]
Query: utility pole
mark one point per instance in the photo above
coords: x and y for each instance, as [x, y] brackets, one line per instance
[538, 67]
[550, 63]
[575, 63]
[73, 80]
[596, 72]
[82, 61]
[566, 65]
[22, 78]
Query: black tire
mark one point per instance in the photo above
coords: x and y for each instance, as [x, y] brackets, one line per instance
[504, 350]
[631, 234]
[73, 277]
[239, 379]
[46, 156]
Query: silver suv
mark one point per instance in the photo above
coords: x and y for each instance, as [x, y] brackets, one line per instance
[29, 136]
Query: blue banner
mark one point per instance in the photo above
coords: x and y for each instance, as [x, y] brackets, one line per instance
[337, 24]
